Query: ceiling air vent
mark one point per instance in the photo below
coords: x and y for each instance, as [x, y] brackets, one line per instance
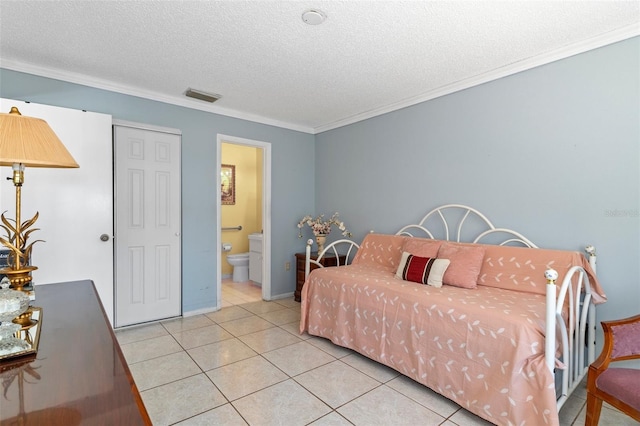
[203, 96]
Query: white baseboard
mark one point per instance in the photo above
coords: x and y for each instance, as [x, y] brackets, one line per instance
[282, 296]
[200, 311]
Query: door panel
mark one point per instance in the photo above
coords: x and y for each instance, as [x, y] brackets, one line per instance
[148, 225]
[75, 205]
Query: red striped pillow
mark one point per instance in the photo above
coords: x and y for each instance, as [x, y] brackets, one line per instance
[423, 270]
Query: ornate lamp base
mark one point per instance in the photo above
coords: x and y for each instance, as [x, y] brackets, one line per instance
[25, 319]
[19, 277]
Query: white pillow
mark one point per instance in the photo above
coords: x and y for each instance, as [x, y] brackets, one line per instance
[423, 270]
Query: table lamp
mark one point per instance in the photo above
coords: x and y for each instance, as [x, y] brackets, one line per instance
[25, 142]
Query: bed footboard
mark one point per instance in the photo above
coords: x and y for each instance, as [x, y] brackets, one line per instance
[575, 330]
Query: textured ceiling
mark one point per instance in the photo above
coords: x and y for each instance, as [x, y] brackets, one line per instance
[367, 58]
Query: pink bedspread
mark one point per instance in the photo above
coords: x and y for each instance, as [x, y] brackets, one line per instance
[482, 348]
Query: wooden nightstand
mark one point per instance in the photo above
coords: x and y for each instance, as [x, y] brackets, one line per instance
[327, 260]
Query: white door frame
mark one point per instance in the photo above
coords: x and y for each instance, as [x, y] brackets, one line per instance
[266, 211]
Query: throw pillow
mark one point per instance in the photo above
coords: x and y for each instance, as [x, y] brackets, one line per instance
[423, 270]
[422, 247]
[380, 250]
[466, 262]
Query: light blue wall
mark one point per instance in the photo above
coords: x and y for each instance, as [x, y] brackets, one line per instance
[553, 152]
[292, 174]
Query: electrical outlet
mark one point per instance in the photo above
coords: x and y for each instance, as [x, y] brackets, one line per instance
[287, 266]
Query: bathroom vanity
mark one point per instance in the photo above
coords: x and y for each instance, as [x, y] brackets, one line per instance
[255, 258]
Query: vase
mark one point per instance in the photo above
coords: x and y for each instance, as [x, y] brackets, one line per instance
[321, 239]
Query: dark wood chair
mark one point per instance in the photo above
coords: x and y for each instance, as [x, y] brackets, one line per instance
[619, 387]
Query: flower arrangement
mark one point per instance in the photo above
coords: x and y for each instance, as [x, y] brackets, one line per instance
[320, 226]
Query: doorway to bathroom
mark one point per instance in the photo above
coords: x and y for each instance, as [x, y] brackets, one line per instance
[244, 221]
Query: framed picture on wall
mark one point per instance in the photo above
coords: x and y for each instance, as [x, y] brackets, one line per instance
[228, 183]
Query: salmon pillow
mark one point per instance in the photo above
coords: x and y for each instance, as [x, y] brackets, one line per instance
[380, 250]
[423, 270]
[466, 262]
[422, 247]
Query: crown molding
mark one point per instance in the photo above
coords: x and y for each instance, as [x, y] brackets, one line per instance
[96, 83]
[602, 40]
[611, 37]
[145, 126]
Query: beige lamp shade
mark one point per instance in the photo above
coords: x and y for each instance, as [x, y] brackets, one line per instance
[31, 142]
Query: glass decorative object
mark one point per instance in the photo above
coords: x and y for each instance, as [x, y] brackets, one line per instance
[19, 323]
[12, 304]
[12, 345]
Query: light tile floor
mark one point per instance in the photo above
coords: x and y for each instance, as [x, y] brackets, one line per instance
[239, 293]
[248, 364]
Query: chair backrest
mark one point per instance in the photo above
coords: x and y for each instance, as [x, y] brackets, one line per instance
[626, 341]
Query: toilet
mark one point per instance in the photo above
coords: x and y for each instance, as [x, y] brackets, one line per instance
[240, 263]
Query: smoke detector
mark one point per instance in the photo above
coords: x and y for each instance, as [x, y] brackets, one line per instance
[314, 17]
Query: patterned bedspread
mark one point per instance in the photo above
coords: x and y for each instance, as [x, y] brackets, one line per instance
[482, 348]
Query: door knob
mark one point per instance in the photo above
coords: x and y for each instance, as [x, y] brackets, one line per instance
[104, 237]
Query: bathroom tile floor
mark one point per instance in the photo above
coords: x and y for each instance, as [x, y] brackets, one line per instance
[239, 293]
[248, 364]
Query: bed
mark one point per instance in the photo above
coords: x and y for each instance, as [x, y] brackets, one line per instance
[510, 345]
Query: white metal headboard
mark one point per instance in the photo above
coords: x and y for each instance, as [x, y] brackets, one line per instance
[454, 216]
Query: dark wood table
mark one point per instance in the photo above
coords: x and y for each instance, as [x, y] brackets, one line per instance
[79, 374]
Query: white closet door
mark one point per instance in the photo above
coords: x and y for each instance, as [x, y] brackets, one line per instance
[148, 225]
[75, 205]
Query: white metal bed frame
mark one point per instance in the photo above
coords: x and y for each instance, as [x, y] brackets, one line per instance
[572, 366]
